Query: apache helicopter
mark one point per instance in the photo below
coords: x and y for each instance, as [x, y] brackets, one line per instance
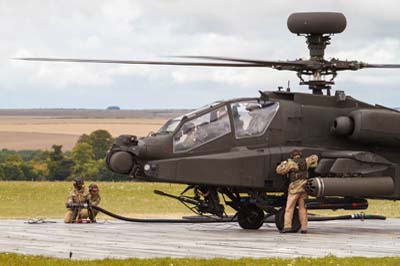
[228, 151]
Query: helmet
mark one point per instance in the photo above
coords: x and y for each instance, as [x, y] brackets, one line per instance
[93, 186]
[78, 182]
[295, 153]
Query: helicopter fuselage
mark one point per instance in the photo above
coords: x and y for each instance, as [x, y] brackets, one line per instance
[243, 148]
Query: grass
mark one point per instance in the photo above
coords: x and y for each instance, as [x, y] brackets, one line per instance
[46, 199]
[22, 260]
[22, 199]
[26, 199]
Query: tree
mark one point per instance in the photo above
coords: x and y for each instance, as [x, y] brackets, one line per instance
[82, 153]
[29, 172]
[88, 171]
[84, 139]
[9, 156]
[100, 140]
[2, 174]
[56, 154]
[84, 163]
[12, 171]
[59, 166]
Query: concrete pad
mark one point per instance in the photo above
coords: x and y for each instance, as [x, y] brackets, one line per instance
[116, 239]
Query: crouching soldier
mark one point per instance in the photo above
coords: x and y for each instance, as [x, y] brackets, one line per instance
[77, 198]
[296, 167]
[93, 200]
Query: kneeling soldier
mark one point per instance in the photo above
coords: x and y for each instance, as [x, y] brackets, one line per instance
[77, 196]
[93, 200]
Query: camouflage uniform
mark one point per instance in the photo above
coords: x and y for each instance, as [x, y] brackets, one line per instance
[76, 196]
[94, 200]
[297, 170]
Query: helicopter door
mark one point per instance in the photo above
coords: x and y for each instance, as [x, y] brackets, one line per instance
[293, 125]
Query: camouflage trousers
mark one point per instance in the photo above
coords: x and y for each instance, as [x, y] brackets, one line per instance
[69, 216]
[293, 200]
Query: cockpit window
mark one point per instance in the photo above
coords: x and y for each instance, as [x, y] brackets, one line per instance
[170, 125]
[252, 118]
[202, 129]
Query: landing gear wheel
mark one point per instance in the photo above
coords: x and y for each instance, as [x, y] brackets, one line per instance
[280, 220]
[251, 217]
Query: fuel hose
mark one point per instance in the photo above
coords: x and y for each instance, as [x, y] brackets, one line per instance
[163, 220]
[311, 218]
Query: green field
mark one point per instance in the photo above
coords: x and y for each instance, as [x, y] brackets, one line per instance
[47, 200]
[12, 259]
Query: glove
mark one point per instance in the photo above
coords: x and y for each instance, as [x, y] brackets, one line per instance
[312, 161]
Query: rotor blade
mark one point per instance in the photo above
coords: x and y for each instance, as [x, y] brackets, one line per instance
[381, 65]
[250, 61]
[171, 63]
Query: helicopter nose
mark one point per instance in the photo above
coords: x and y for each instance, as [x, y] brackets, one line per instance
[122, 155]
[121, 162]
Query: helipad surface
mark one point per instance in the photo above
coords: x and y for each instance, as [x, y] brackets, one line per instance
[116, 239]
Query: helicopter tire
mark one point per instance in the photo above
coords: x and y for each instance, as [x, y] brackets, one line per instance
[251, 217]
[280, 220]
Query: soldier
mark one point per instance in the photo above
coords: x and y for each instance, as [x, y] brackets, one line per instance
[297, 170]
[94, 200]
[78, 196]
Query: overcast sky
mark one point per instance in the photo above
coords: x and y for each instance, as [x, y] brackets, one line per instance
[151, 30]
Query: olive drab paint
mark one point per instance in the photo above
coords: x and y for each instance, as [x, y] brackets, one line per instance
[232, 148]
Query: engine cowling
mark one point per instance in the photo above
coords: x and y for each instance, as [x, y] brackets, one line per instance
[376, 126]
[370, 126]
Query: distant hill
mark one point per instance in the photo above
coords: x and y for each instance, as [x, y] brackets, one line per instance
[95, 113]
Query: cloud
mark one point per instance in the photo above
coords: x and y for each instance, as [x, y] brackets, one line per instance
[125, 29]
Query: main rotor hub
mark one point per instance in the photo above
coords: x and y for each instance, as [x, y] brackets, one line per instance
[317, 27]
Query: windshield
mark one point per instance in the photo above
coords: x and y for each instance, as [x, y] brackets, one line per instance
[251, 118]
[170, 125]
[202, 129]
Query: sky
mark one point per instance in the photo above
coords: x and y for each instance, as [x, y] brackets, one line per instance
[154, 30]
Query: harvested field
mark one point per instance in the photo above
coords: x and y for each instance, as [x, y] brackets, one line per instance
[22, 133]
[34, 141]
[41, 129]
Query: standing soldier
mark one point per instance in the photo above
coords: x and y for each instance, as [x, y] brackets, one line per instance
[77, 196]
[94, 200]
[296, 168]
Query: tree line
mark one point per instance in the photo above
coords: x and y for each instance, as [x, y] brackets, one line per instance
[85, 160]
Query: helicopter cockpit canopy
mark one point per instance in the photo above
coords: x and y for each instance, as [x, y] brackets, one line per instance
[202, 129]
[172, 124]
[251, 118]
[246, 118]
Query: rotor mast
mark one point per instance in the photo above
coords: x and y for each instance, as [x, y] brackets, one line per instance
[316, 46]
[317, 28]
